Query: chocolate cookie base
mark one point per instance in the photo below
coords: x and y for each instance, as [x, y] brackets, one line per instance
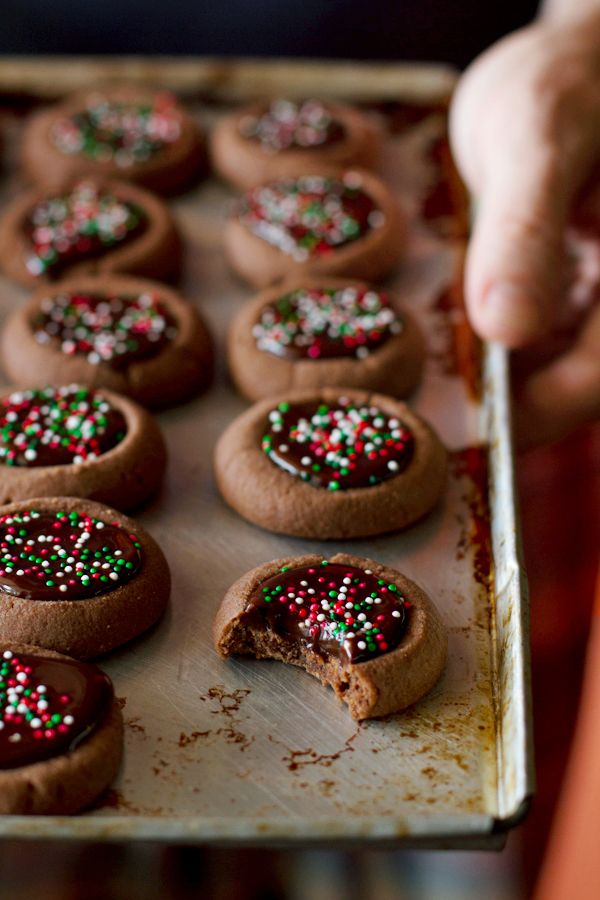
[370, 257]
[156, 253]
[245, 164]
[173, 168]
[377, 687]
[394, 367]
[89, 627]
[181, 370]
[69, 782]
[123, 477]
[266, 495]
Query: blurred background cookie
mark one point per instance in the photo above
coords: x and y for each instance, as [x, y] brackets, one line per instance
[93, 227]
[325, 223]
[119, 131]
[136, 337]
[286, 138]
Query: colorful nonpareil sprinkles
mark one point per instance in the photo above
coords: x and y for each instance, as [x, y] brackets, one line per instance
[64, 556]
[82, 224]
[323, 323]
[334, 609]
[57, 426]
[47, 706]
[337, 446]
[110, 328]
[124, 133]
[288, 124]
[311, 215]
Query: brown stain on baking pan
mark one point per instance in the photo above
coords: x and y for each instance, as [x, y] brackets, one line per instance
[463, 352]
[229, 701]
[445, 207]
[471, 463]
[114, 799]
[186, 739]
[135, 725]
[298, 759]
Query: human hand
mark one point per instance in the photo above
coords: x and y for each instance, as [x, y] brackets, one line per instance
[525, 128]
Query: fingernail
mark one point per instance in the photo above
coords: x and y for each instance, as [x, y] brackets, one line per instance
[510, 314]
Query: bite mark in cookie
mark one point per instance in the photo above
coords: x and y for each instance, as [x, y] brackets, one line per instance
[363, 628]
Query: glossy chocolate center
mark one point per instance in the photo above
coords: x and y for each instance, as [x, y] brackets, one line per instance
[311, 215]
[64, 556]
[125, 133]
[326, 323]
[113, 329]
[337, 446]
[332, 609]
[81, 225]
[47, 706]
[286, 125]
[57, 427]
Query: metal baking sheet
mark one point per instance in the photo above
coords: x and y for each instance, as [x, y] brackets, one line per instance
[248, 752]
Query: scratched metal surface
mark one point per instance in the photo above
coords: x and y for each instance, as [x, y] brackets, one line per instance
[252, 751]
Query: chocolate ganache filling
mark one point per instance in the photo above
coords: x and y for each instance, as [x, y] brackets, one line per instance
[113, 329]
[337, 446]
[83, 224]
[287, 124]
[311, 215]
[64, 556]
[326, 323]
[332, 609]
[57, 427]
[47, 706]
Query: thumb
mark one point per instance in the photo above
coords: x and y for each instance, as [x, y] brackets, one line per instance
[515, 263]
